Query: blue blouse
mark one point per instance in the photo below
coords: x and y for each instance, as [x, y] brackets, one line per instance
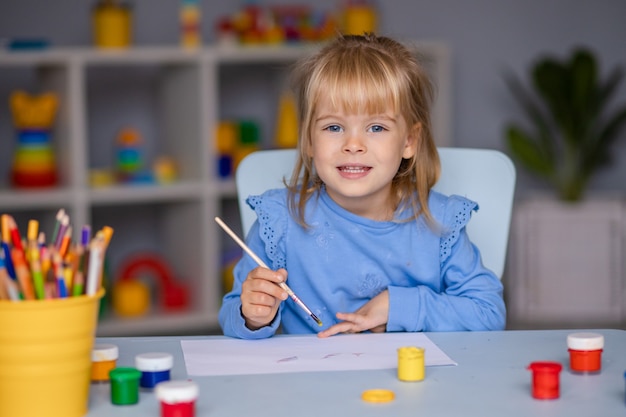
[435, 278]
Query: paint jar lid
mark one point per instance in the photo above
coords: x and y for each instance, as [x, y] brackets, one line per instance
[585, 341]
[378, 395]
[545, 367]
[411, 352]
[124, 374]
[104, 352]
[154, 361]
[174, 392]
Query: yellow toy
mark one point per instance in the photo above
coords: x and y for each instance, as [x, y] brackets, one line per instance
[359, 17]
[131, 298]
[34, 163]
[191, 36]
[287, 122]
[234, 140]
[33, 112]
[112, 24]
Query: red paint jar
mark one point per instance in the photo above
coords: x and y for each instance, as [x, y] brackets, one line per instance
[585, 352]
[545, 379]
[178, 398]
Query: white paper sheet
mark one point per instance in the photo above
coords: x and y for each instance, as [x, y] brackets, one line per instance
[280, 354]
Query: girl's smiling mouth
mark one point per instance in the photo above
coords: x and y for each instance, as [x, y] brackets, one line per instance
[353, 169]
[353, 172]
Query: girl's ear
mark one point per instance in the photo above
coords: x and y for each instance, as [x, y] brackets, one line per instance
[412, 141]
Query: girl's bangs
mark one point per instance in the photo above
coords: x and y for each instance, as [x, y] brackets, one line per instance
[358, 92]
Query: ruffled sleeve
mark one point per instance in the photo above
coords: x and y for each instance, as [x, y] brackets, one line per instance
[468, 295]
[456, 215]
[272, 215]
[265, 238]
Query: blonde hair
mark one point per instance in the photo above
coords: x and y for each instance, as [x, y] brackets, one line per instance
[367, 73]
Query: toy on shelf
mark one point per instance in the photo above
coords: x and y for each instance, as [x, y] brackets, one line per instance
[254, 24]
[226, 140]
[34, 163]
[112, 24]
[286, 135]
[165, 170]
[190, 35]
[359, 17]
[130, 164]
[131, 297]
[233, 141]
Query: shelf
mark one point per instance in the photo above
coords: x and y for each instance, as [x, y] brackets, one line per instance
[158, 324]
[133, 194]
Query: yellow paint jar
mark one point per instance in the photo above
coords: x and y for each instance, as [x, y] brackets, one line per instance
[103, 360]
[112, 25]
[411, 365]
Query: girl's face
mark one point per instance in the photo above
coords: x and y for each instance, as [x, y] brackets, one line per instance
[357, 156]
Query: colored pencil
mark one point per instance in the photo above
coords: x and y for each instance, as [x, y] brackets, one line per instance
[85, 235]
[262, 264]
[12, 291]
[35, 269]
[78, 283]
[4, 289]
[15, 235]
[96, 255]
[32, 231]
[23, 274]
[57, 267]
[65, 223]
[108, 234]
[57, 224]
[8, 260]
[65, 241]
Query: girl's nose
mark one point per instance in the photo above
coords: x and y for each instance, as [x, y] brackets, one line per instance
[353, 143]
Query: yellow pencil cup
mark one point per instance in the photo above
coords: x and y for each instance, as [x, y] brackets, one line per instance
[112, 25]
[45, 356]
[411, 365]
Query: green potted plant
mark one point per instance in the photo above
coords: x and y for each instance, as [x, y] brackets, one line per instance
[570, 128]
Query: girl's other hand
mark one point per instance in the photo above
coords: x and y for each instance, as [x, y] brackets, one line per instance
[261, 296]
[372, 316]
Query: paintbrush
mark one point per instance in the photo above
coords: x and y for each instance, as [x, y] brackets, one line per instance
[260, 262]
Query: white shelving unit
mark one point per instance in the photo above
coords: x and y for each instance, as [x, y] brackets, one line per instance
[175, 98]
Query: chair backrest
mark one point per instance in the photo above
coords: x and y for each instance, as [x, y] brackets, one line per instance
[482, 175]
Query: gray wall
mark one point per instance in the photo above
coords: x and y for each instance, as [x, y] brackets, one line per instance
[484, 37]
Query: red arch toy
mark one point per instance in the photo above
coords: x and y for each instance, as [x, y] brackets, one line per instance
[174, 296]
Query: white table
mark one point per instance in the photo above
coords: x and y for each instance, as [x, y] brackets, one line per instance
[491, 379]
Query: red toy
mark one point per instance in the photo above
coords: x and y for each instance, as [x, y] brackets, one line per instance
[174, 295]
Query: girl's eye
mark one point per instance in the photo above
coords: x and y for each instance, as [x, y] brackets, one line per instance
[333, 128]
[376, 128]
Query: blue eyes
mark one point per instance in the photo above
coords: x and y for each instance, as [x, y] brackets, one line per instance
[334, 128]
[338, 129]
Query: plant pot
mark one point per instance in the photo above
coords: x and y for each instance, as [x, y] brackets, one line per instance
[566, 263]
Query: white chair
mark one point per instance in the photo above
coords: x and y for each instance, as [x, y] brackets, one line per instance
[483, 175]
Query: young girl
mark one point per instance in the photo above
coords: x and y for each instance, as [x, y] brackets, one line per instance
[358, 234]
